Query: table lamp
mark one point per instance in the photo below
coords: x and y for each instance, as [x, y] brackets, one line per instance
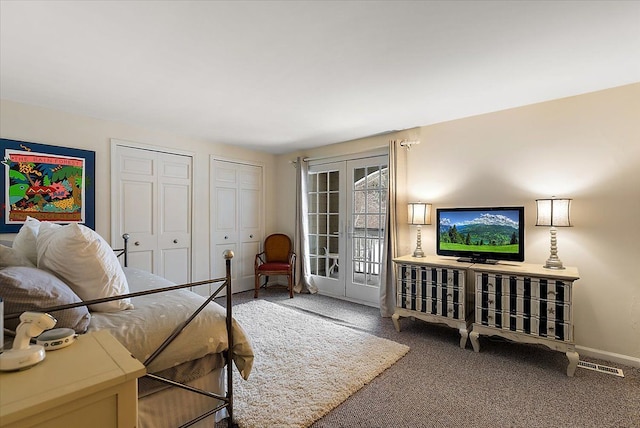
[555, 213]
[419, 215]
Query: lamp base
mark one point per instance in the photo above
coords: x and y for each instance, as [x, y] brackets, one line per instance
[553, 264]
[418, 251]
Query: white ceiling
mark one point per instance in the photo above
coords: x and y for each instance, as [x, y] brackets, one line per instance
[282, 76]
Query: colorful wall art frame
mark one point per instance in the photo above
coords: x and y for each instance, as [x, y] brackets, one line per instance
[49, 183]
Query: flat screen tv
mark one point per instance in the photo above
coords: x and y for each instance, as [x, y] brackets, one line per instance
[481, 235]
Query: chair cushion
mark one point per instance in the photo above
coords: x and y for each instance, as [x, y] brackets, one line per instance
[272, 266]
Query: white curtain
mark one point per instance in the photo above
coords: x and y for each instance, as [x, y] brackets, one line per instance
[301, 235]
[387, 287]
[393, 234]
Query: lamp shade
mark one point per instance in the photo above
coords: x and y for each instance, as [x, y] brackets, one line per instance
[419, 213]
[553, 212]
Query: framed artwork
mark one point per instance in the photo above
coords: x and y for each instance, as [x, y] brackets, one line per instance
[49, 183]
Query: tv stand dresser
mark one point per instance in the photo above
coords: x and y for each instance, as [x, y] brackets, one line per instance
[522, 302]
[434, 289]
[526, 303]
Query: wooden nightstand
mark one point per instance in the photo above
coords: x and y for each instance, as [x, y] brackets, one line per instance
[91, 383]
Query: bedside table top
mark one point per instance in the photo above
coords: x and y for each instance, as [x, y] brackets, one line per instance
[95, 362]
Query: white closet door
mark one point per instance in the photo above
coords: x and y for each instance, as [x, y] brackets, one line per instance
[174, 217]
[136, 206]
[236, 223]
[153, 205]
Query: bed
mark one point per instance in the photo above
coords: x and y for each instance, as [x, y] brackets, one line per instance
[182, 338]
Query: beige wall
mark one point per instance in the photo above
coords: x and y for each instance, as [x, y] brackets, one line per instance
[585, 147]
[39, 125]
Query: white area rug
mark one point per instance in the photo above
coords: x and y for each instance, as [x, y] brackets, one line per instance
[304, 365]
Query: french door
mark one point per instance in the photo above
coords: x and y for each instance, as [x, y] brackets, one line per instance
[347, 203]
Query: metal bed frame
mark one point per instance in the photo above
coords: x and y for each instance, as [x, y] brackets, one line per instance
[227, 398]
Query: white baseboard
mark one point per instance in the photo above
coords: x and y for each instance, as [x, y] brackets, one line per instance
[608, 356]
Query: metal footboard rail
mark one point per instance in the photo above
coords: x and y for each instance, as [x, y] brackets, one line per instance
[227, 399]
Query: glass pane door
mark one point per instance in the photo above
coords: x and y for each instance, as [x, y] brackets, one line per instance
[367, 208]
[351, 193]
[325, 200]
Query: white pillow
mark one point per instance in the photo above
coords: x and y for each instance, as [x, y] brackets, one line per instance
[25, 241]
[85, 261]
[10, 257]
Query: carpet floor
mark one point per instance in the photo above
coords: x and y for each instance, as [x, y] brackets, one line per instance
[438, 384]
[304, 365]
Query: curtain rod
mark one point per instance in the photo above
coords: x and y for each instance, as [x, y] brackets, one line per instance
[308, 159]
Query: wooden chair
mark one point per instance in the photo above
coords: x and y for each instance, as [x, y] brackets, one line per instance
[277, 258]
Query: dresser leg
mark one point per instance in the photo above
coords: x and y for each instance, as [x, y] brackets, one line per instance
[464, 334]
[396, 321]
[574, 358]
[474, 341]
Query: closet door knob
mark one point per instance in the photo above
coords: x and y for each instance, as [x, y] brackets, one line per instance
[175, 241]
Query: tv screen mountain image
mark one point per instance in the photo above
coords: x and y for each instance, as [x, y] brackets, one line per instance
[481, 233]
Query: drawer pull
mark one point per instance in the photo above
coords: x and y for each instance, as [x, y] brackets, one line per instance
[490, 302]
[551, 311]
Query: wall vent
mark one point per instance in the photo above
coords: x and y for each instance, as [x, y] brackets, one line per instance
[600, 368]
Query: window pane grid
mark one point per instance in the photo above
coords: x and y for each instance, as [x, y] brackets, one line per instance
[324, 209]
[369, 203]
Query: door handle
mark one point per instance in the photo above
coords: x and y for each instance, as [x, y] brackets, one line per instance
[137, 243]
[251, 236]
[175, 241]
[226, 237]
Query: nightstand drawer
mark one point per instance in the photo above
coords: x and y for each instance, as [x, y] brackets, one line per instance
[534, 326]
[507, 285]
[554, 290]
[430, 276]
[446, 308]
[524, 287]
[510, 305]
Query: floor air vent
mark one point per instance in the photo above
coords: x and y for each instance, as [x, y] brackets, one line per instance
[600, 368]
